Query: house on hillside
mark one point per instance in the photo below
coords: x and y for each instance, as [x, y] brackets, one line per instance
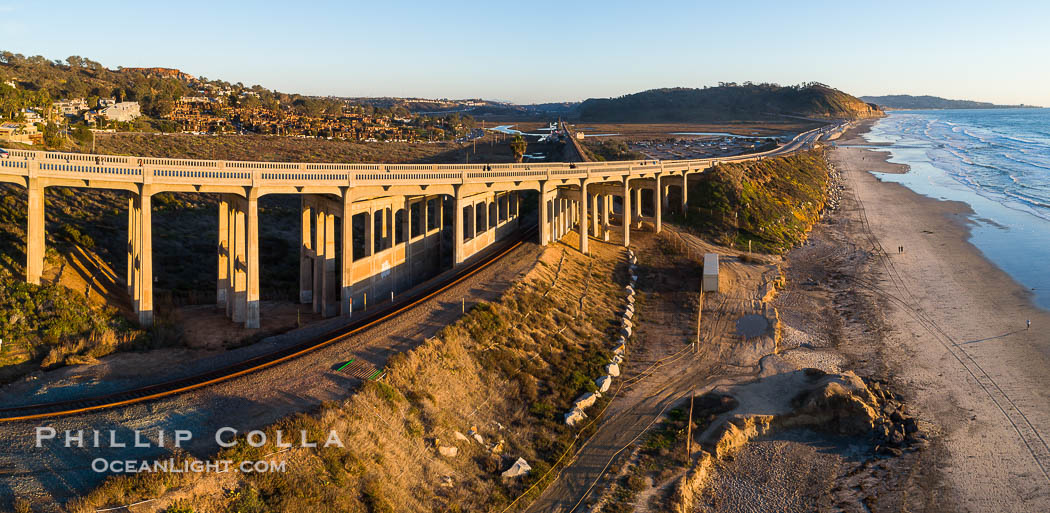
[72, 108]
[21, 133]
[123, 111]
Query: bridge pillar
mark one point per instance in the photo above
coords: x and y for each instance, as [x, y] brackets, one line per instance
[35, 235]
[346, 290]
[319, 216]
[604, 204]
[306, 274]
[328, 283]
[544, 223]
[238, 228]
[251, 316]
[584, 222]
[145, 282]
[222, 250]
[231, 269]
[626, 211]
[636, 202]
[685, 193]
[659, 202]
[457, 234]
[133, 238]
[593, 207]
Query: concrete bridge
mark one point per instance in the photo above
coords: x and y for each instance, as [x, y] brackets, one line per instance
[367, 229]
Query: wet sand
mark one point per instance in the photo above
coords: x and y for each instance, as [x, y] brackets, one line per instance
[956, 340]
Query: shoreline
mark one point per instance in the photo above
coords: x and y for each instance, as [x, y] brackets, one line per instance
[957, 339]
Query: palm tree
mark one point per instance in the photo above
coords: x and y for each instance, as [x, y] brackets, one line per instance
[518, 145]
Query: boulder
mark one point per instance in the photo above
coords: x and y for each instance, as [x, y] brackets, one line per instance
[620, 348]
[586, 400]
[627, 323]
[620, 342]
[574, 416]
[519, 468]
[629, 289]
[603, 383]
[613, 370]
[618, 359]
[634, 278]
[625, 331]
[460, 436]
[628, 313]
[448, 452]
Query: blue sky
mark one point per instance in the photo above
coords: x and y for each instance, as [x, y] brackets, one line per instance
[551, 51]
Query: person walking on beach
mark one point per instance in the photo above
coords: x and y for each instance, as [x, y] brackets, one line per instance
[1028, 324]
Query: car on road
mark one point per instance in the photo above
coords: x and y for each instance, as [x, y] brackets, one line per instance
[4, 154]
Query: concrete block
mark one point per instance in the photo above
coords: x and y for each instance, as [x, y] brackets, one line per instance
[574, 417]
[603, 383]
[613, 370]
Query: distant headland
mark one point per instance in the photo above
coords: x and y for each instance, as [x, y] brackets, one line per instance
[907, 101]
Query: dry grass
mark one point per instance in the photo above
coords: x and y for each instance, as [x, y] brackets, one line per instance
[507, 370]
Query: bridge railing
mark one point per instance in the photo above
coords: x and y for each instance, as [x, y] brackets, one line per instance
[247, 173]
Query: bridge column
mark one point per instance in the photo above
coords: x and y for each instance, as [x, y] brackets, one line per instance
[35, 235]
[685, 193]
[584, 223]
[405, 277]
[318, 214]
[251, 316]
[346, 256]
[306, 278]
[659, 200]
[544, 224]
[223, 250]
[457, 234]
[145, 281]
[594, 198]
[133, 237]
[636, 202]
[238, 229]
[626, 211]
[606, 216]
[231, 260]
[328, 283]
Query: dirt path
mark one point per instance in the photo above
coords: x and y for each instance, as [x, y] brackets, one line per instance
[666, 319]
[54, 473]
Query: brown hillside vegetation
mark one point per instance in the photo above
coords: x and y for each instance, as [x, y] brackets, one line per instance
[507, 370]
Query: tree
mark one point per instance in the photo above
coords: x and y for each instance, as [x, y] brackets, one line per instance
[518, 146]
[53, 137]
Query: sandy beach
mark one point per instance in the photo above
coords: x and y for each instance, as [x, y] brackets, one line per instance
[955, 339]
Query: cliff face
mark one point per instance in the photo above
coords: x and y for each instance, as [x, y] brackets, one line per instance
[728, 103]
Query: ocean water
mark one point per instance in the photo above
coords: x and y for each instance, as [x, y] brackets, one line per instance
[998, 162]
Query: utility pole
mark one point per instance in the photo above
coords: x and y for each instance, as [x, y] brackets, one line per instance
[689, 428]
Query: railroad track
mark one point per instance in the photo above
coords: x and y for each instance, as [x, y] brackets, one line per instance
[248, 366]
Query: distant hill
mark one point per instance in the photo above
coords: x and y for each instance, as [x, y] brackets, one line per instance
[907, 101]
[728, 102]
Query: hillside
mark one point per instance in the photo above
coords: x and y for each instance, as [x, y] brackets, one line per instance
[771, 203]
[907, 101]
[728, 102]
